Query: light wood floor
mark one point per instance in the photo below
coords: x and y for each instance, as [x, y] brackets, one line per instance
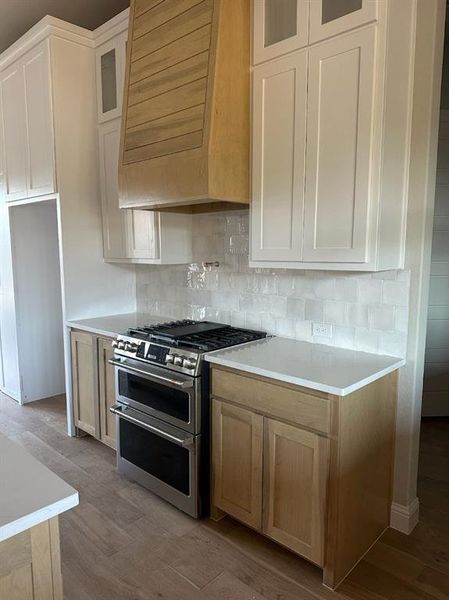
[122, 543]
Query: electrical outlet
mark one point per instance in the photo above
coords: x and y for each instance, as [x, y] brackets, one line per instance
[322, 329]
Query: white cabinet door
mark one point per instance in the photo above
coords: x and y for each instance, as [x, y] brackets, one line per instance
[39, 119]
[339, 148]
[127, 234]
[114, 219]
[143, 234]
[15, 135]
[332, 17]
[110, 69]
[279, 27]
[279, 140]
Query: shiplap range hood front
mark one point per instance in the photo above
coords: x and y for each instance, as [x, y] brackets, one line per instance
[185, 129]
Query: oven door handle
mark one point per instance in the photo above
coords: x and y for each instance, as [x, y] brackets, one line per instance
[119, 410]
[150, 375]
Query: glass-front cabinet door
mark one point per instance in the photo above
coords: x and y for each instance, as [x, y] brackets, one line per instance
[332, 17]
[110, 68]
[280, 26]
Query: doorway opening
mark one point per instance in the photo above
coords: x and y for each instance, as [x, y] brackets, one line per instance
[38, 300]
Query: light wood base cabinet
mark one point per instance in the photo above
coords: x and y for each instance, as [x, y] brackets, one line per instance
[310, 470]
[30, 564]
[93, 386]
[295, 473]
[238, 461]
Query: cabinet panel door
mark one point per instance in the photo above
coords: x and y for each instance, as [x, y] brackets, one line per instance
[295, 473]
[332, 17]
[39, 119]
[279, 27]
[279, 141]
[15, 135]
[114, 219]
[143, 235]
[85, 382]
[106, 378]
[237, 462]
[339, 148]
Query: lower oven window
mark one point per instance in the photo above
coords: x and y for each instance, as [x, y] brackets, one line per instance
[165, 399]
[155, 455]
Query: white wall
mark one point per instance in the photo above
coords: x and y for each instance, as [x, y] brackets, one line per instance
[436, 368]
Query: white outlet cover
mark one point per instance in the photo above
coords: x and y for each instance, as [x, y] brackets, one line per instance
[322, 329]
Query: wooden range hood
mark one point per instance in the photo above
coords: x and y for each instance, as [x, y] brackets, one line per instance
[185, 129]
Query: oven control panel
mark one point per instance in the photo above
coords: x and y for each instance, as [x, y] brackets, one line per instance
[175, 359]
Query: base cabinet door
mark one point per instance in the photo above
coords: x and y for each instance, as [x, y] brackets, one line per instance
[295, 472]
[106, 392]
[85, 382]
[237, 462]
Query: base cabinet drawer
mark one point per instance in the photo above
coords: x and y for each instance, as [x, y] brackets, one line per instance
[237, 462]
[295, 471]
[93, 386]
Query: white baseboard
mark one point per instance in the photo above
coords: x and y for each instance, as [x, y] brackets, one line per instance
[404, 518]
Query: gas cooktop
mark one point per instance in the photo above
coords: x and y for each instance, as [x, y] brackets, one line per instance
[180, 345]
[202, 336]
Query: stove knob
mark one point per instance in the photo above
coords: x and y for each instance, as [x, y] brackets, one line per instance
[169, 358]
[189, 363]
[121, 345]
[178, 360]
[131, 347]
[114, 343]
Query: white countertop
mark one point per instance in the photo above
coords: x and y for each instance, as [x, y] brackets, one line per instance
[29, 492]
[112, 325]
[325, 368]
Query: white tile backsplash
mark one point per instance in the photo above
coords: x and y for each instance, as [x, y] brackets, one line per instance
[367, 311]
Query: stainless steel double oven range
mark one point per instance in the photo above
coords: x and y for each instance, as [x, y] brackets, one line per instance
[162, 387]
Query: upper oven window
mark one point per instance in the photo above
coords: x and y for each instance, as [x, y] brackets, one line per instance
[162, 398]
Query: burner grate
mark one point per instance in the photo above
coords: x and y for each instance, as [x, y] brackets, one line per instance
[197, 335]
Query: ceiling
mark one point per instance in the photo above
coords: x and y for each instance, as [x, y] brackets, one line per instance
[17, 16]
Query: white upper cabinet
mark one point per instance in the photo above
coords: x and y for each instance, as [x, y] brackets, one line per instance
[15, 134]
[110, 64]
[114, 219]
[339, 142]
[279, 138]
[332, 17]
[331, 139]
[279, 27]
[28, 125]
[143, 234]
[283, 26]
[129, 236]
[41, 158]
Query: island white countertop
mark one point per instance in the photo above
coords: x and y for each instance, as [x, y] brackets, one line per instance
[29, 492]
[113, 325]
[324, 368]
